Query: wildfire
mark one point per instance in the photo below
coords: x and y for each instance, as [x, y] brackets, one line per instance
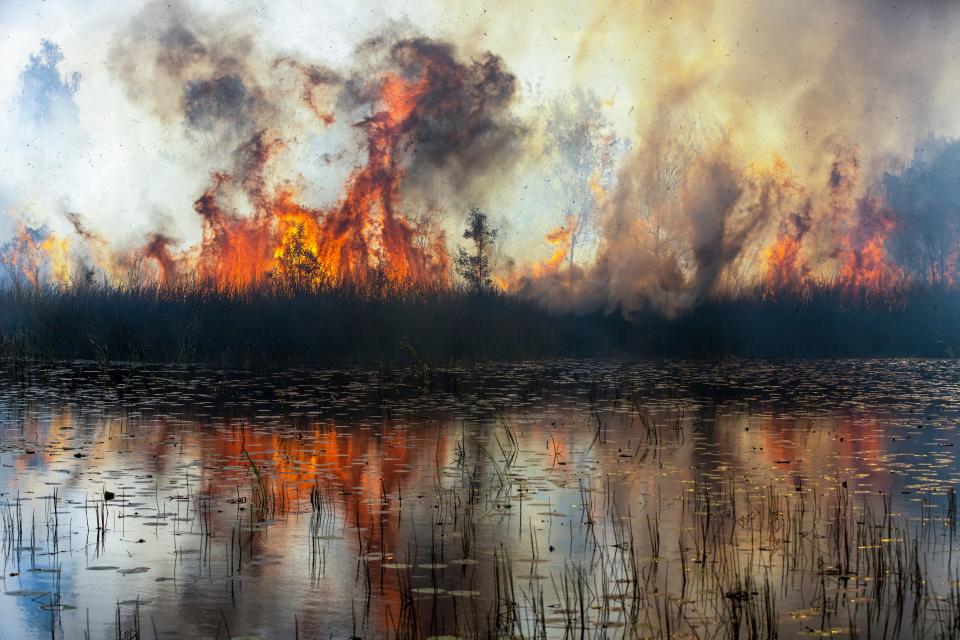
[782, 260]
[158, 249]
[559, 240]
[361, 241]
[365, 234]
[864, 257]
[858, 230]
[35, 257]
[235, 251]
[57, 248]
[752, 225]
[784, 266]
[424, 106]
[868, 266]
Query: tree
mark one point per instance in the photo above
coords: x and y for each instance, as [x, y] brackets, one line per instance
[474, 267]
[582, 146]
[298, 267]
[45, 95]
[926, 196]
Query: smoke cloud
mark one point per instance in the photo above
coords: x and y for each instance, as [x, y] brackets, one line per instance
[762, 134]
[637, 155]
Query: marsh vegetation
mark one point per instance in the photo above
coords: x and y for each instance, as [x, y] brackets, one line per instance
[338, 325]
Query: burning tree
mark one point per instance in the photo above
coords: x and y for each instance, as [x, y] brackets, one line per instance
[298, 267]
[426, 108]
[475, 267]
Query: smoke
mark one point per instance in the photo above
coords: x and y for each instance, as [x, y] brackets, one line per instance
[44, 137]
[207, 75]
[158, 249]
[461, 126]
[763, 132]
[46, 97]
[214, 75]
[637, 156]
[925, 195]
[223, 99]
[423, 113]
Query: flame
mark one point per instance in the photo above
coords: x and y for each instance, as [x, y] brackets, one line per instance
[57, 250]
[235, 251]
[782, 260]
[867, 266]
[158, 249]
[864, 257]
[34, 257]
[400, 98]
[858, 227]
[559, 239]
[363, 240]
[366, 233]
[255, 230]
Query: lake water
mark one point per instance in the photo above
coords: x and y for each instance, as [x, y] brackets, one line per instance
[542, 499]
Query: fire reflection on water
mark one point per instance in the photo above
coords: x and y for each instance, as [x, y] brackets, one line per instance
[352, 503]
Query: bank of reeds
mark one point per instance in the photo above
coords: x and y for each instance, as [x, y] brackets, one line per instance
[261, 326]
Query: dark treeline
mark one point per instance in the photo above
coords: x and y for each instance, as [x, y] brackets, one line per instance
[263, 328]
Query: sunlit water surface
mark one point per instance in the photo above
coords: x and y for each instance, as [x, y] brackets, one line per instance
[577, 499]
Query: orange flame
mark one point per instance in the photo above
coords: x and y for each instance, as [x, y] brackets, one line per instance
[559, 239]
[361, 241]
[782, 262]
[32, 260]
[863, 253]
[856, 246]
[57, 250]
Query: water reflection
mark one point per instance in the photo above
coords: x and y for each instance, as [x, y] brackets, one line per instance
[548, 499]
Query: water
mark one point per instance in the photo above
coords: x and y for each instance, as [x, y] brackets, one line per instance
[557, 499]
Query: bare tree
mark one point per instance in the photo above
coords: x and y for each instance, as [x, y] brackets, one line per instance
[580, 140]
[926, 196]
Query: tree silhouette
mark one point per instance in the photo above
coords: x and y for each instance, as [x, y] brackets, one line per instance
[297, 267]
[926, 196]
[582, 147]
[44, 94]
[474, 267]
